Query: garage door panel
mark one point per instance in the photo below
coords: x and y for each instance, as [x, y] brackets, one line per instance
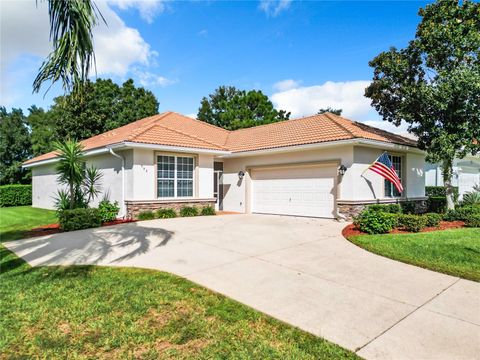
[302, 191]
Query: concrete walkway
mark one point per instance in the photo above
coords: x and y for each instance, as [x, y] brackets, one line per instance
[299, 270]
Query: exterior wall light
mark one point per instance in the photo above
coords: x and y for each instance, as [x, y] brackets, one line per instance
[241, 174]
[342, 170]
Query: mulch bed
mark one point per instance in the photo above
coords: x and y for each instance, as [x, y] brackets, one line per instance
[51, 229]
[351, 230]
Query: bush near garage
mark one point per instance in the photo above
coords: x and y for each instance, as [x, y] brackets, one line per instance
[166, 213]
[375, 222]
[433, 219]
[386, 208]
[15, 195]
[146, 215]
[437, 204]
[412, 222]
[77, 219]
[208, 210]
[188, 211]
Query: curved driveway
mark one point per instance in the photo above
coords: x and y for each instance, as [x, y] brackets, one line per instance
[299, 270]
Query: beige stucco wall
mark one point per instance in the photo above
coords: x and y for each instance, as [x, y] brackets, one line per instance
[45, 185]
[351, 187]
[234, 190]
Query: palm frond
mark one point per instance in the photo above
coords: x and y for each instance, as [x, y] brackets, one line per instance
[71, 25]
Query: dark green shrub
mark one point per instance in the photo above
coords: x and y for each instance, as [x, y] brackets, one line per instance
[440, 191]
[166, 213]
[375, 222]
[187, 211]
[411, 222]
[387, 208]
[473, 221]
[146, 215]
[108, 210]
[461, 213]
[77, 219]
[409, 207]
[437, 204]
[433, 219]
[15, 195]
[208, 210]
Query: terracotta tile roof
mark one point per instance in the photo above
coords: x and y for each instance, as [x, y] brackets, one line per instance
[173, 129]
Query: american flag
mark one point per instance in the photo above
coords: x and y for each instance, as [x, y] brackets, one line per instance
[384, 167]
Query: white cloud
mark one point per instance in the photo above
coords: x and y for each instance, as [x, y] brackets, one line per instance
[274, 7]
[25, 34]
[147, 78]
[307, 100]
[147, 9]
[285, 85]
[192, 115]
[203, 33]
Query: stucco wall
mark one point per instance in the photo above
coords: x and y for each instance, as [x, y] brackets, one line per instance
[352, 186]
[45, 185]
[234, 189]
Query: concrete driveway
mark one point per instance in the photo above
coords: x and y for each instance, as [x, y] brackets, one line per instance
[299, 270]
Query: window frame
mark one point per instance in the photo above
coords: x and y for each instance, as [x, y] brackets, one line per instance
[175, 178]
[400, 174]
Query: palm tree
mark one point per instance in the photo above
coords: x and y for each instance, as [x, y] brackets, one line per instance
[71, 24]
[71, 167]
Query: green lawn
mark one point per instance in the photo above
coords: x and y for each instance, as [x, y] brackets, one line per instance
[455, 252]
[105, 312]
[16, 221]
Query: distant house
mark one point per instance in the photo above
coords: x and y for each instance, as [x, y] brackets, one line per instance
[307, 167]
[466, 173]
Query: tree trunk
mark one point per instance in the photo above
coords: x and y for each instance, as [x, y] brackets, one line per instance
[72, 195]
[447, 182]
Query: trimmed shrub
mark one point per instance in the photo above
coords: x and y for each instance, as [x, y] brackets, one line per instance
[461, 213]
[15, 195]
[188, 211]
[166, 213]
[375, 222]
[386, 208]
[433, 219]
[473, 221]
[77, 219]
[146, 215]
[437, 204]
[411, 222]
[440, 191]
[208, 210]
[108, 211]
[409, 207]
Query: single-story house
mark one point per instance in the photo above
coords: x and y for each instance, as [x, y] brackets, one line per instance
[466, 174]
[312, 166]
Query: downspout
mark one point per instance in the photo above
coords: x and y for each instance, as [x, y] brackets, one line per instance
[122, 206]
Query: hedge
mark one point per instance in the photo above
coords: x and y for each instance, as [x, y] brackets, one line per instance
[77, 219]
[440, 191]
[15, 195]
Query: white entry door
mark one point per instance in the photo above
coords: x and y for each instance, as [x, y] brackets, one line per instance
[294, 190]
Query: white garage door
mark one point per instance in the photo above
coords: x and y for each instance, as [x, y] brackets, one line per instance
[294, 190]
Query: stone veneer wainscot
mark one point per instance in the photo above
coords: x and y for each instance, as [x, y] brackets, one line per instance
[134, 207]
[349, 209]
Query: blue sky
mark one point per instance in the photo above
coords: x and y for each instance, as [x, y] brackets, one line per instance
[303, 54]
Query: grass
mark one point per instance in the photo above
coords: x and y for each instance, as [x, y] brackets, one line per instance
[454, 252]
[17, 220]
[101, 312]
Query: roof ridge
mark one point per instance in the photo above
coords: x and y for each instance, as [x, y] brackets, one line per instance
[335, 121]
[201, 121]
[183, 133]
[147, 126]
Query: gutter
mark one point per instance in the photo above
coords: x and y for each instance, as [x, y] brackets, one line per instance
[122, 206]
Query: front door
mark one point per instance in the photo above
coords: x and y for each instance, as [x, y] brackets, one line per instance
[218, 184]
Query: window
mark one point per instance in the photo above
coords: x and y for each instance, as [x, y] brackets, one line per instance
[174, 176]
[390, 189]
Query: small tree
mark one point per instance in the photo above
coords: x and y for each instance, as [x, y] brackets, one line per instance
[330, 110]
[83, 183]
[434, 84]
